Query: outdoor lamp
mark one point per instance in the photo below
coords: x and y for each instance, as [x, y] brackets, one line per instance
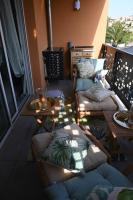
[77, 5]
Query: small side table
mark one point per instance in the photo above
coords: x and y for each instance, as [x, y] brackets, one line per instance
[116, 131]
[41, 115]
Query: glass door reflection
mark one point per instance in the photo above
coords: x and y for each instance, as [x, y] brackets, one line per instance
[6, 79]
[4, 118]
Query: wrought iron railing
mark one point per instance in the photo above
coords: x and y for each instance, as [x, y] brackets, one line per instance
[120, 72]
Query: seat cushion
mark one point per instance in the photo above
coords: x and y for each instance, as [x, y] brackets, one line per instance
[57, 192]
[94, 156]
[55, 94]
[86, 104]
[67, 152]
[84, 84]
[80, 187]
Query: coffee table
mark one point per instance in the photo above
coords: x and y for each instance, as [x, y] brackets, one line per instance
[116, 131]
[41, 115]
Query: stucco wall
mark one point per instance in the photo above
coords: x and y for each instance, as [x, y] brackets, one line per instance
[37, 37]
[84, 27]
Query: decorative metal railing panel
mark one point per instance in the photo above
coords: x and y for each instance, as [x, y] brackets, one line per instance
[108, 53]
[120, 74]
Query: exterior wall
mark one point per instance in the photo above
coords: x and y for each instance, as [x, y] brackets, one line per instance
[34, 11]
[84, 27]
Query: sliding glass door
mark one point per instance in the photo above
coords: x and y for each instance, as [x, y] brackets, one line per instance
[4, 117]
[6, 81]
[15, 73]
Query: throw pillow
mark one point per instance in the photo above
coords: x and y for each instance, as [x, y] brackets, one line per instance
[100, 75]
[98, 93]
[67, 152]
[84, 84]
[97, 63]
[89, 67]
[86, 69]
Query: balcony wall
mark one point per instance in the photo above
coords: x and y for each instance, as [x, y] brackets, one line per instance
[120, 72]
[35, 19]
[84, 27]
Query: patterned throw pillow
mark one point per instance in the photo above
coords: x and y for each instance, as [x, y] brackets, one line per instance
[67, 152]
[86, 69]
[89, 67]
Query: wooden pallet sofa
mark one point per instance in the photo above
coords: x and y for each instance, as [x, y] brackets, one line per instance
[92, 91]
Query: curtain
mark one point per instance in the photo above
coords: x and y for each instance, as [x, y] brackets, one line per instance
[23, 42]
[19, 18]
[11, 38]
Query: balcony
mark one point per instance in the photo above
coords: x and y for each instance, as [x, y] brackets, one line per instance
[18, 177]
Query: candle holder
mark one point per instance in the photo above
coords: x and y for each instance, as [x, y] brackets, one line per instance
[39, 103]
[42, 100]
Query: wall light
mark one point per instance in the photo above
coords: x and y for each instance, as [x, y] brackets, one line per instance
[77, 5]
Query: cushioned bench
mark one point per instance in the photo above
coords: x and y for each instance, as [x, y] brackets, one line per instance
[84, 74]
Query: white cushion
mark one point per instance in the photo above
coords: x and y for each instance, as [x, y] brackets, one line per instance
[89, 67]
[86, 104]
[86, 69]
[98, 93]
[99, 64]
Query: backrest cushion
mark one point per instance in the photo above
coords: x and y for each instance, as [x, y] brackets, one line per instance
[98, 64]
[89, 67]
[86, 69]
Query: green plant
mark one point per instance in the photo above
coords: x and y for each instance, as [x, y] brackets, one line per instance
[125, 194]
[119, 32]
[99, 133]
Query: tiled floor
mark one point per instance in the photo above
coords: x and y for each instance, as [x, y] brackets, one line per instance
[18, 176]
